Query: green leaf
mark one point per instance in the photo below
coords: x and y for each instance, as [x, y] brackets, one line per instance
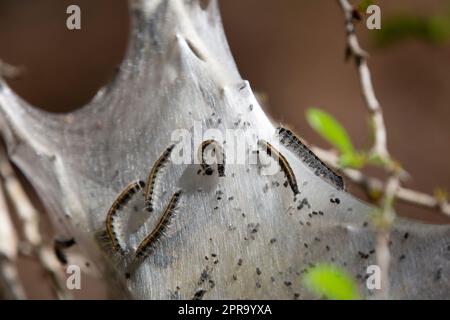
[330, 282]
[330, 129]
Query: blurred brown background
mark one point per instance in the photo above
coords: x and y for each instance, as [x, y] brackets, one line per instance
[290, 50]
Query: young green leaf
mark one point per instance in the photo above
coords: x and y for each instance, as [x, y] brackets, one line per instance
[330, 282]
[330, 129]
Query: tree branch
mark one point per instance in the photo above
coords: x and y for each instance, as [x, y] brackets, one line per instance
[391, 189]
[10, 284]
[372, 185]
[29, 219]
[360, 57]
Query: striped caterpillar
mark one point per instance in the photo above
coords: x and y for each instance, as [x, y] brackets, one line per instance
[112, 237]
[294, 144]
[146, 246]
[123, 219]
[150, 192]
[284, 164]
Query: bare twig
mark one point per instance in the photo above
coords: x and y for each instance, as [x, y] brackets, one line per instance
[384, 225]
[10, 285]
[424, 200]
[360, 56]
[372, 186]
[29, 219]
[380, 144]
[379, 149]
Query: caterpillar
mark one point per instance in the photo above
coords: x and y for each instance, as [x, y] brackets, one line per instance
[294, 144]
[284, 164]
[149, 193]
[163, 224]
[111, 234]
[217, 149]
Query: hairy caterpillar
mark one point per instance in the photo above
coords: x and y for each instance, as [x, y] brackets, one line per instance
[294, 144]
[149, 192]
[284, 164]
[112, 237]
[163, 224]
[146, 246]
